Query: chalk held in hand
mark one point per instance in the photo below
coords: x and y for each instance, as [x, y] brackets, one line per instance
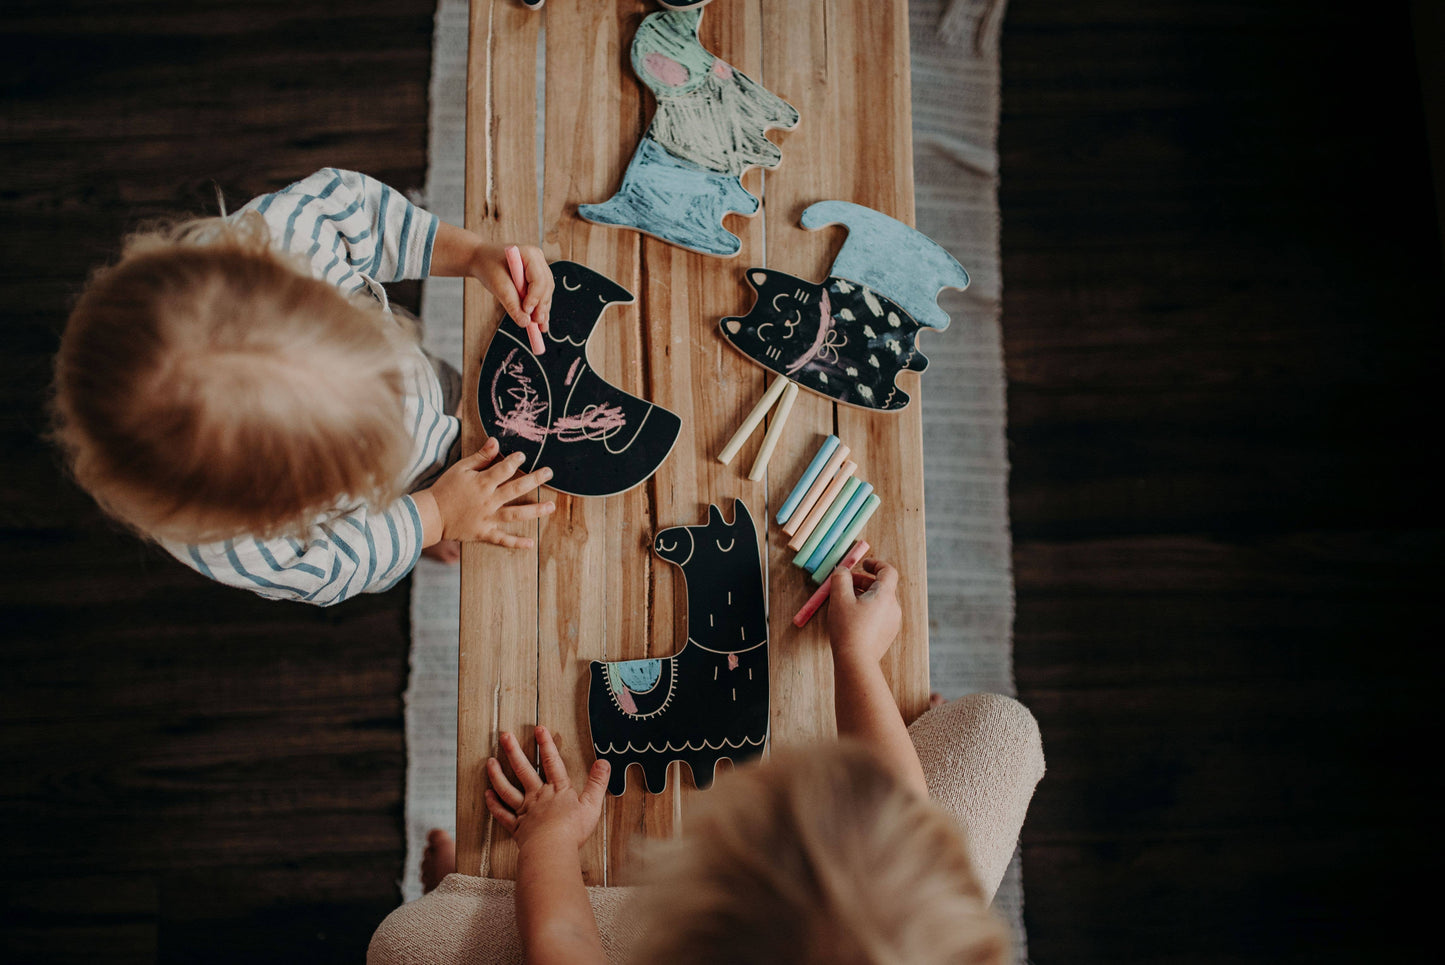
[519, 281]
[870, 505]
[835, 531]
[752, 420]
[820, 595]
[825, 503]
[805, 482]
[825, 478]
[775, 431]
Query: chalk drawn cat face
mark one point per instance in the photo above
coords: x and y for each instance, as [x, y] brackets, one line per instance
[839, 338]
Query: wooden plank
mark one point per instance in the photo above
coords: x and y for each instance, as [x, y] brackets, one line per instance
[600, 593]
[809, 60]
[796, 69]
[497, 684]
[596, 564]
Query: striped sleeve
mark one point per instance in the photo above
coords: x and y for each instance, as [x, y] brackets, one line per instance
[351, 227]
[358, 552]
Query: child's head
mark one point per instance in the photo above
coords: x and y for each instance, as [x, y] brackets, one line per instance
[208, 387]
[818, 856]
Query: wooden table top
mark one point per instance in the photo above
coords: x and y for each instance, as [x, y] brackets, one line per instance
[592, 589]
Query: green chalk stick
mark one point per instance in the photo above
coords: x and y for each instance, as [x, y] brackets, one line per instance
[821, 529]
[846, 539]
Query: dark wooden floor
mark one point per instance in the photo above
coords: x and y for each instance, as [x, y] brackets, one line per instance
[1222, 315]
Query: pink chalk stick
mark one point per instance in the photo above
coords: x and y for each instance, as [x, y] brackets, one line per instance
[825, 476]
[519, 281]
[820, 595]
[821, 509]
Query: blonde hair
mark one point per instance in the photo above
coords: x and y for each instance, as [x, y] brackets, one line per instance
[207, 386]
[817, 856]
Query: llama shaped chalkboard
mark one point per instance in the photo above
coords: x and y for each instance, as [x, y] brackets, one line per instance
[708, 701]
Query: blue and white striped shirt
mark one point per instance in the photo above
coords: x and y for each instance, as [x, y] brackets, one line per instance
[357, 233]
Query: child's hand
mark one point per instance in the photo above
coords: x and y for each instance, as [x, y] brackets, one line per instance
[552, 811]
[472, 497]
[861, 626]
[489, 266]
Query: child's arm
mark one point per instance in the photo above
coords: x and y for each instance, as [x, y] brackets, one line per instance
[549, 821]
[460, 253]
[472, 500]
[861, 627]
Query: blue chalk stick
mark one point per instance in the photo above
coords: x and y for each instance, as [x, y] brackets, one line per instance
[809, 475]
[840, 523]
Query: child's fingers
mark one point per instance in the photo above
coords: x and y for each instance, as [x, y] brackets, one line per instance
[509, 541]
[887, 578]
[503, 469]
[499, 811]
[482, 457]
[842, 592]
[526, 774]
[862, 582]
[539, 278]
[596, 789]
[522, 485]
[553, 767]
[509, 794]
[525, 511]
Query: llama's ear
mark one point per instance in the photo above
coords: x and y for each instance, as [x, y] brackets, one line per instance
[715, 516]
[741, 516]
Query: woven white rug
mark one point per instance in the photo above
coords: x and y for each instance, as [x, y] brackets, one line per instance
[970, 593]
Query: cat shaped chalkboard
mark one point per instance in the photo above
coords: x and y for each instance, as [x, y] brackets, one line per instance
[708, 701]
[597, 439]
[849, 336]
[838, 338]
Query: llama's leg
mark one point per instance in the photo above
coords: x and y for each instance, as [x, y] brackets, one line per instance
[702, 771]
[654, 769]
[982, 757]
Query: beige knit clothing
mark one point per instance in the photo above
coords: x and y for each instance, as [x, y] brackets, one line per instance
[982, 757]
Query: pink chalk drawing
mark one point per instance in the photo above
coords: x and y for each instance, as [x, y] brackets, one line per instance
[523, 416]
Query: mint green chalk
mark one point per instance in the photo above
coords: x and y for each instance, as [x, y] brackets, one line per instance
[821, 530]
[845, 541]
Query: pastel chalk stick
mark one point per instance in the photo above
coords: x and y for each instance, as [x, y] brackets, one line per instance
[869, 507]
[820, 595]
[834, 511]
[751, 421]
[805, 481]
[815, 493]
[774, 433]
[825, 545]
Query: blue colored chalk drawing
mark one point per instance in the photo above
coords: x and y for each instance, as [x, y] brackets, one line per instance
[891, 258]
[676, 201]
[849, 336]
[708, 129]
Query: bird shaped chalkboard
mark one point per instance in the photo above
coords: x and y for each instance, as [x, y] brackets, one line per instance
[708, 701]
[597, 439]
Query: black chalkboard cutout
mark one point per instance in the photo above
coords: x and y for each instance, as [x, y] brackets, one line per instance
[848, 337]
[554, 407]
[709, 701]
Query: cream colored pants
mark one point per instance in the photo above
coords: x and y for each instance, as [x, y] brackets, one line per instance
[982, 757]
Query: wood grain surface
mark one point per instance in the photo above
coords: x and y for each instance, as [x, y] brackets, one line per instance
[1222, 324]
[600, 593]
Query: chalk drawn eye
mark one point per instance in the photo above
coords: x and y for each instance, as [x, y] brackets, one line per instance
[570, 288]
[761, 327]
[728, 547]
[775, 301]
